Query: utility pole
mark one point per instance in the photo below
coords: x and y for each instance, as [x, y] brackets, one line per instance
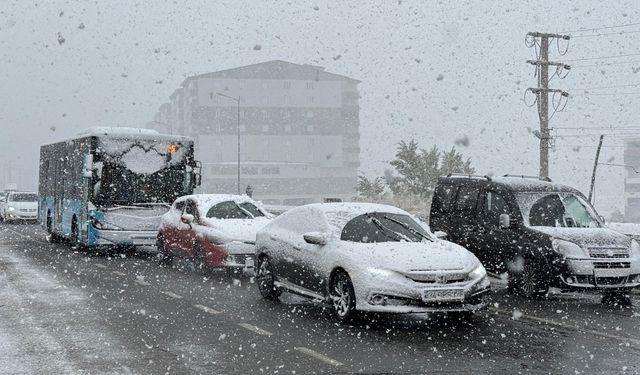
[595, 166]
[543, 90]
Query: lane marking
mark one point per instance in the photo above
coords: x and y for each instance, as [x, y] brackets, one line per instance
[207, 309]
[566, 326]
[318, 356]
[142, 282]
[118, 273]
[255, 329]
[170, 294]
[101, 266]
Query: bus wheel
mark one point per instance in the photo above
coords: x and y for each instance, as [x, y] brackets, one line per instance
[75, 236]
[51, 237]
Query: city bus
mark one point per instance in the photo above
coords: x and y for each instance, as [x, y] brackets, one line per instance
[109, 185]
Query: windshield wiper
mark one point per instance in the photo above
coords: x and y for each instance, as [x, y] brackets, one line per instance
[377, 223]
[407, 227]
[244, 211]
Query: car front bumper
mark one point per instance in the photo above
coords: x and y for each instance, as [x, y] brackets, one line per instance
[408, 296]
[18, 215]
[590, 274]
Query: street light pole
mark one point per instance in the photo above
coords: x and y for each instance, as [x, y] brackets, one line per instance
[237, 100]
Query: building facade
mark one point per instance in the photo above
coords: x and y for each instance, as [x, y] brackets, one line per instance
[298, 125]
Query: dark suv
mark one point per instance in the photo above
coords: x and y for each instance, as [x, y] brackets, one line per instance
[542, 234]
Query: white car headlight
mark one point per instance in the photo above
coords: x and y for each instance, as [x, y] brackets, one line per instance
[634, 249]
[11, 208]
[478, 273]
[567, 248]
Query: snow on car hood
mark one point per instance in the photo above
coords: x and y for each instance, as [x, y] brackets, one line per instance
[585, 237]
[407, 257]
[238, 229]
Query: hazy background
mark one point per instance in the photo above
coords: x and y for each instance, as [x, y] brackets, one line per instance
[433, 71]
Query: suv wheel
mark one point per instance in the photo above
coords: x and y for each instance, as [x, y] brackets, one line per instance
[343, 297]
[266, 279]
[532, 282]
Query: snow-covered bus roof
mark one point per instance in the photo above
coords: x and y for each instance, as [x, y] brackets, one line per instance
[126, 133]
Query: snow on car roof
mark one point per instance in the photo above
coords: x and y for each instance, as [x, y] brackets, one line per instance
[208, 200]
[339, 213]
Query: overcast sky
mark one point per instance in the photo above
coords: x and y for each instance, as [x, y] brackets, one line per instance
[434, 71]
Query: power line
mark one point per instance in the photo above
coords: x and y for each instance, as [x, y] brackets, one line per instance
[608, 94]
[606, 87]
[601, 28]
[606, 64]
[605, 57]
[605, 34]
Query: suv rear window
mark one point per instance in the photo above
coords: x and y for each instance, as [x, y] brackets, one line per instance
[443, 196]
[467, 198]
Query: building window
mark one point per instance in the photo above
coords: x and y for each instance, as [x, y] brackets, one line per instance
[243, 128]
[287, 128]
[309, 114]
[242, 114]
[310, 99]
[310, 85]
[265, 128]
[271, 170]
[211, 95]
[309, 128]
[287, 84]
[218, 127]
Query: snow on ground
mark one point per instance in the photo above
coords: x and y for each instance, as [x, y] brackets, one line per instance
[41, 329]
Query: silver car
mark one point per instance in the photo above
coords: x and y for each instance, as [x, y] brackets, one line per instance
[366, 257]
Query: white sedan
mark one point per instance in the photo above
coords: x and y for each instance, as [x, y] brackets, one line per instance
[366, 257]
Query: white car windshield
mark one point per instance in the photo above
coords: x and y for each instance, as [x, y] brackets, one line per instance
[234, 210]
[383, 227]
[556, 209]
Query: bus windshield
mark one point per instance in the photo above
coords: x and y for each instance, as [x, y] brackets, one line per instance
[141, 171]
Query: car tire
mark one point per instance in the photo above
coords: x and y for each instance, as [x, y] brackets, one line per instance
[199, 258]
[266, 279]
[532, 282]
[165, 258]
[342, 297]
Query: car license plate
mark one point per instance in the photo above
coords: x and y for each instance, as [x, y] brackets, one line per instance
[248, 263]
[442, 295]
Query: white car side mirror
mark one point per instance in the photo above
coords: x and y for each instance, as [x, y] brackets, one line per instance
[187, 218]
[316, 238]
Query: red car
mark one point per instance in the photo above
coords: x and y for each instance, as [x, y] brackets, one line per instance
[213, 230]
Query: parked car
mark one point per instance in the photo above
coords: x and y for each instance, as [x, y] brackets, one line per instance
[213, 230]
[542, 234]
[20, 206]
[366, 257]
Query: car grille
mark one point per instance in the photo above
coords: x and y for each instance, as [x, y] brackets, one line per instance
[611, 265]
[29, 210]
[440, 278]
[610, 280]
[608, 252]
